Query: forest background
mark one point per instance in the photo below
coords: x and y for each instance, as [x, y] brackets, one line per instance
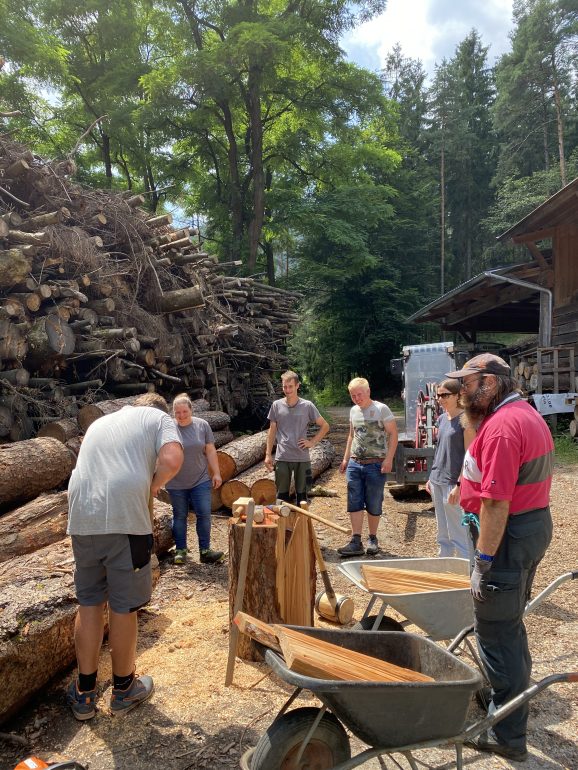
[371, 192]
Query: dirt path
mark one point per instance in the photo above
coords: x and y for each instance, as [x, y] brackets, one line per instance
[194, 721]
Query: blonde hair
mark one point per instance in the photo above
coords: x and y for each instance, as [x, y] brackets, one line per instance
[358, 382]
[289, 375]
[152, 399]
[182, 398]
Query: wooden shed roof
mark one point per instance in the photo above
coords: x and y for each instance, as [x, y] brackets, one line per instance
[560, 208]
[486, 304]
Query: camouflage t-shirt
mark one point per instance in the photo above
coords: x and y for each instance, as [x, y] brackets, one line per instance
[369, 436]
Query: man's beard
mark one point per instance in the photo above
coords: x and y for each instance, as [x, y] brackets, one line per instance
[478, 404]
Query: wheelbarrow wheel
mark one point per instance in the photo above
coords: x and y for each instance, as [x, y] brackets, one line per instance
[278, 747]
[387, 624]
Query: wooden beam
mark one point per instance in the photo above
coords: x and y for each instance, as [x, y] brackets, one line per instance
[536, 235]
[501, 297]
[538, 256]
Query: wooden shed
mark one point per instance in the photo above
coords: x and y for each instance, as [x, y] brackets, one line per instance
[536, 297]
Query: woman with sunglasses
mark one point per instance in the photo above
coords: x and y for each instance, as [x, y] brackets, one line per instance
[444, 480]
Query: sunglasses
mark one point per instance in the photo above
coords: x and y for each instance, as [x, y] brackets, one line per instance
[445, 395]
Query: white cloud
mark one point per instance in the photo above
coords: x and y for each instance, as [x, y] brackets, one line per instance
[430, 30]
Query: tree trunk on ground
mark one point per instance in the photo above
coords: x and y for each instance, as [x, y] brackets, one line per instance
[14, 267]
[217, 420]
[62, 430]
[37, 524]
[91, 412]
[281, 580]
[49, 336]
[44, 520]
[241, 454]
[44, 463]
[222, 437]
[13, 347]
[260, 596]
[232, 490]
[181, 299]
[37, 624]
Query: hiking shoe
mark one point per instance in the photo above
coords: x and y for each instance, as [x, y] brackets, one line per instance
[123, 701]
[83, 704]
[372, 546]
[489, 742]
[353, 548]
[208, 556]
[180, 556]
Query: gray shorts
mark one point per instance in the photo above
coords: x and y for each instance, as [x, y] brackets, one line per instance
[114, 569]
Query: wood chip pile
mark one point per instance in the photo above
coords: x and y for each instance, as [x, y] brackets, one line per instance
[100, 299]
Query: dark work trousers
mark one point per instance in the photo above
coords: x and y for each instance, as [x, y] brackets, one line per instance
[499, 626]
[302, 479]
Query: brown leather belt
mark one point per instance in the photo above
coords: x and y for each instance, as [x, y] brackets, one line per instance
[369, 460]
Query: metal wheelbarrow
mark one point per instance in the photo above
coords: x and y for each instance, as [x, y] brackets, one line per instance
[390, 717]
[441, 614]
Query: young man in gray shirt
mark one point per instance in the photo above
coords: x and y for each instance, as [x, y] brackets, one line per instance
[289, 418]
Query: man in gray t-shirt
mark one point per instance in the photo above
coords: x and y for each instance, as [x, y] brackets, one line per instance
[125, 458]
[289, 418]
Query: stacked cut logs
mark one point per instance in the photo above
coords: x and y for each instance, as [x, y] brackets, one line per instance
[553, 371]
[99, 299]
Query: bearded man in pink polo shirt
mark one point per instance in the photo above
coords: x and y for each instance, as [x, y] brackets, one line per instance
[505, 488]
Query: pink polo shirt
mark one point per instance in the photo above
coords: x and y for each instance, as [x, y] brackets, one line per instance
[511, 458]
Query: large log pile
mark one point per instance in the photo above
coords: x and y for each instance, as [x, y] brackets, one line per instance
[100, 299]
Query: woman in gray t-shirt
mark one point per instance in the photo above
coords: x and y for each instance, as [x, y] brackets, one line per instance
[192, 485]
[444, 479]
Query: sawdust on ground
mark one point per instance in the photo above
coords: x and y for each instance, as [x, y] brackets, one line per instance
[194, 721]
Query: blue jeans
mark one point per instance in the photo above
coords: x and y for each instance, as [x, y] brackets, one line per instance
[365, 484]
[199, 499]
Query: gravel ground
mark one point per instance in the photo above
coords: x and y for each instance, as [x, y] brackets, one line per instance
[194, 721]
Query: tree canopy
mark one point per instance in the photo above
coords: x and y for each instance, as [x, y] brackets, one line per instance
[371, 192]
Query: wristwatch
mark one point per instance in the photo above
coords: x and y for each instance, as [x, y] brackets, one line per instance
[458, 482]
[483, 556]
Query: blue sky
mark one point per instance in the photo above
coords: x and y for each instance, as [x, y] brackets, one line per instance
[429, 30]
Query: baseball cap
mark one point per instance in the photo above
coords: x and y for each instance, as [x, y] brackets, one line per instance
[485, 363]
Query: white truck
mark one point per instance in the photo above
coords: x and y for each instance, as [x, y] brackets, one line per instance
[420, 368]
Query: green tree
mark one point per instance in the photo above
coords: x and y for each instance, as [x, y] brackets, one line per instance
[255, 94]
[88, 58]
[535, 82]
[463, 140]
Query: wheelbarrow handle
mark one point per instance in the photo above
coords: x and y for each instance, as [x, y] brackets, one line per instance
[507, 708]
[460, 638]
[537, 600]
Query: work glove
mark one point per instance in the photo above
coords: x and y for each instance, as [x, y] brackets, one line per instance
[481, 568]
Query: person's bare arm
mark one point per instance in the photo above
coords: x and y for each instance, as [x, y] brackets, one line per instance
[391, 430]
[213, 462]
[347, 454]
[169, 461]
[493, 520]
[454, 495]
[271, 435]
[323, 431]
[469, 436]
